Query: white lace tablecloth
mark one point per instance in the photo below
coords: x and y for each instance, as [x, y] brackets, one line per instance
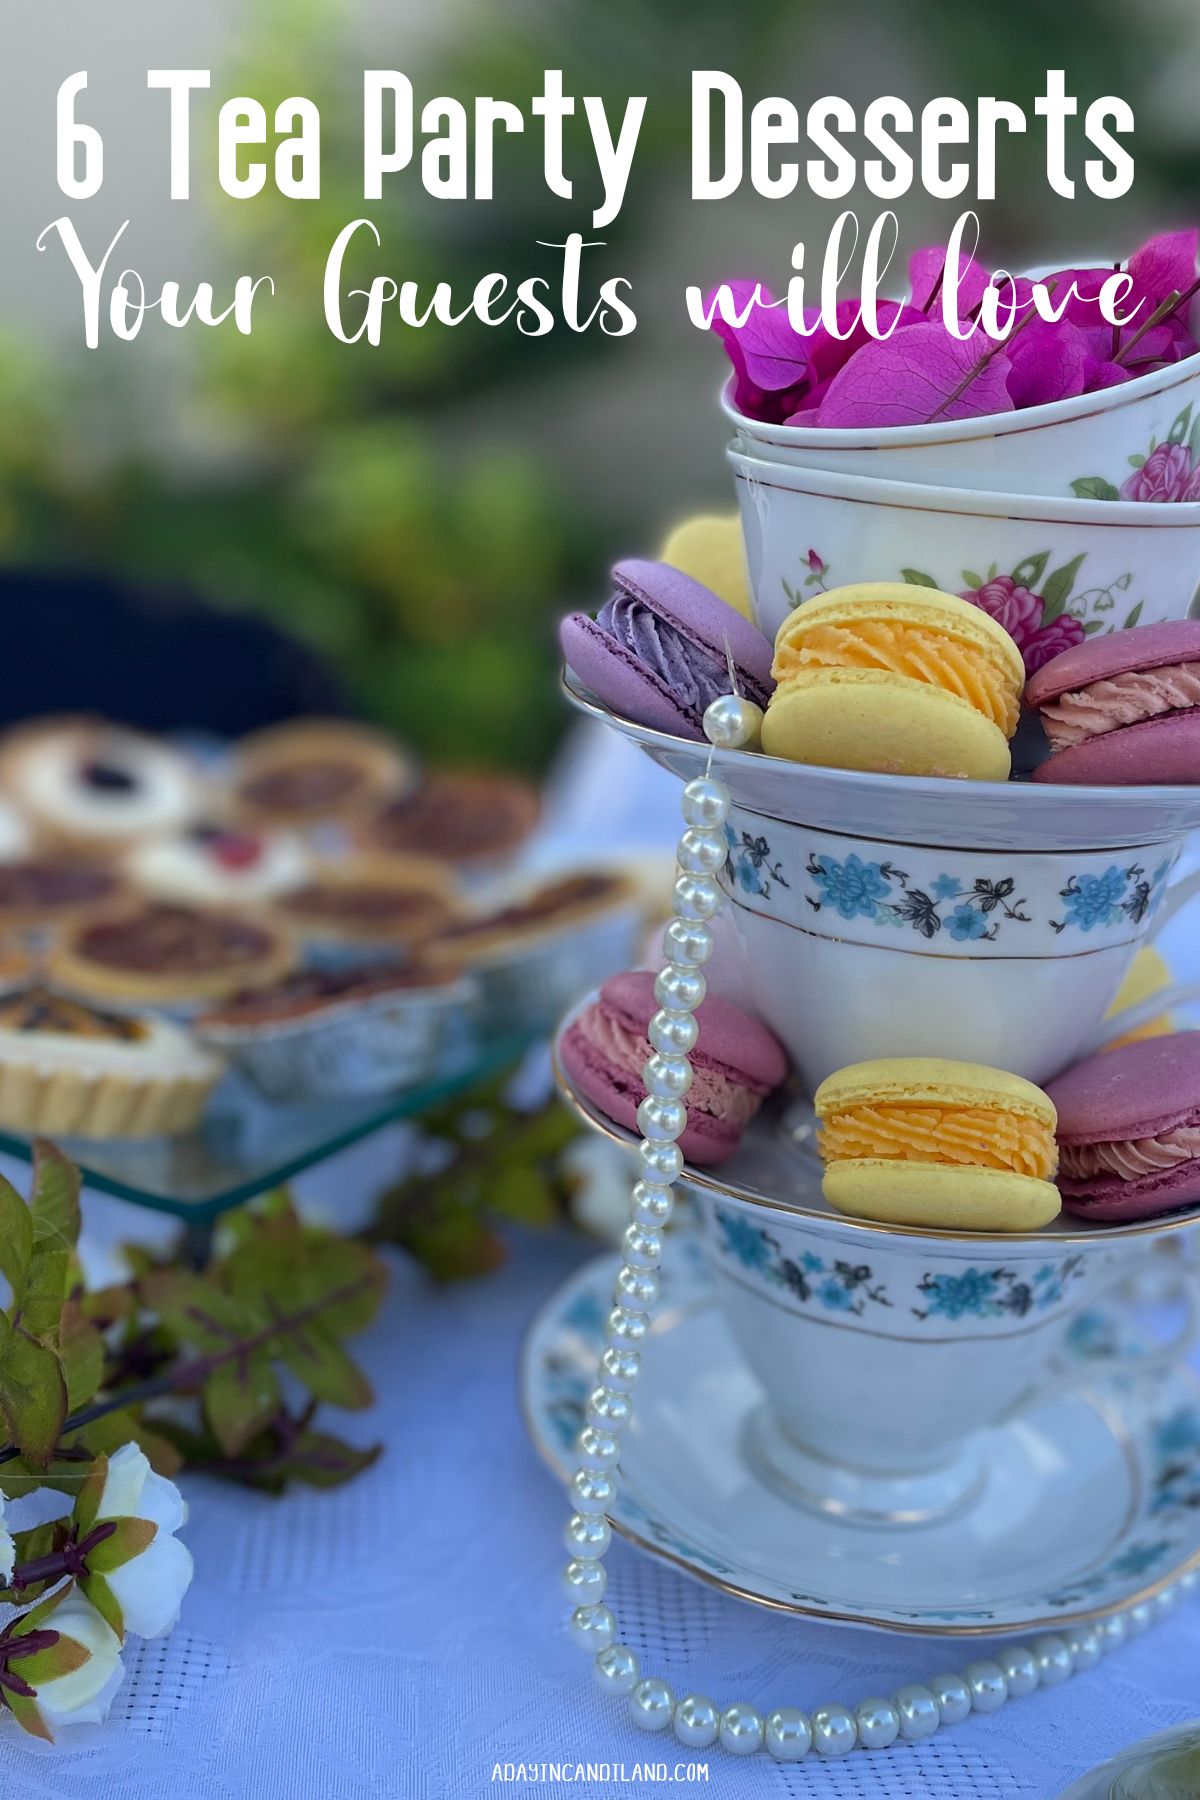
[399, 1637]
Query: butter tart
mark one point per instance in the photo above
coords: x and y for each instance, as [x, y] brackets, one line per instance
[49, 890]
[312, 771]
[460, 817]
[169, 955]
[71, 1069]
[95, 786]
[380, 904]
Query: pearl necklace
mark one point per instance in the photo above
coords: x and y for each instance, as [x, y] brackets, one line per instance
[916, 1711]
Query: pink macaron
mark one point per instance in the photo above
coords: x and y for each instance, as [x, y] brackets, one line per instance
[736, 1064]
[1123, 710]
[1129, 1130]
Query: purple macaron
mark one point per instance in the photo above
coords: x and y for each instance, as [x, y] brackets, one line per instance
[1123, 710]
[736, 1064]
[1129, 1130]
[658, 651]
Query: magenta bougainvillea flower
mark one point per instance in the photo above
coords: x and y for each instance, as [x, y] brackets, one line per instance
[844, 377]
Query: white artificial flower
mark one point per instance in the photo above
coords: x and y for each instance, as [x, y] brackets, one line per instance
[7, 1549]
[84, 1695]
[149, 1588]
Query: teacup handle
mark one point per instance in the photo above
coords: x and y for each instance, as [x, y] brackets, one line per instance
[1132, 1018]
[1178, 893]
[1163, 1357]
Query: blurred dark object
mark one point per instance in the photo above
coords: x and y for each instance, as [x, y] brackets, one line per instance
[159, 658]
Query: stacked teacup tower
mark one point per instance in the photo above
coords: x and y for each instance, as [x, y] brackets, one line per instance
[897, 1367]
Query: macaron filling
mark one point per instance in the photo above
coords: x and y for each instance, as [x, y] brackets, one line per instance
[1119, 700]
[970, 1136]
[713, 1091]
[911, 651]
[1131, 1158]
[694, 677]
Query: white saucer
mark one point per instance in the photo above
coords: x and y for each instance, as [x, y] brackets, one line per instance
[1089, 1503]
[987, 815]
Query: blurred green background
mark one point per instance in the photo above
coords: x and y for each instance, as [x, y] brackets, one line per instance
[424, 510]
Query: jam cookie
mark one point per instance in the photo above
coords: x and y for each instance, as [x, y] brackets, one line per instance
[219, 865]
[95, 786]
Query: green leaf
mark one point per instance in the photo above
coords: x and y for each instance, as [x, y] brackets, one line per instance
[1092, 626]
[323, 1461]
[105, 1602]
[55, 1234]
[33, 1394]
[1194, 437]
[240, 1397]
[81, 1348]
[329, 1374]
[1179, 428]
[87, 1501]
[1095, 487]
[200, 1313]
[25, 1712]
[1135, 462]
[971, 579]
[1029, 572]
[16, 1240]
[62, 1658]
[1134, 614]
[130, 1538]
[915, 578]
[1058, 586]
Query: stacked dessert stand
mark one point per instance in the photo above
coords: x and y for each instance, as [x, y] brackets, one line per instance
[925, 1431]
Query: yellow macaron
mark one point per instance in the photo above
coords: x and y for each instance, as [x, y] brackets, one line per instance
[898, 679]
[916, 1140]
[712, 551]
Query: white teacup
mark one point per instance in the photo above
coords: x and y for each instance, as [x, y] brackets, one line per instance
[884, 1355]
[860, 948]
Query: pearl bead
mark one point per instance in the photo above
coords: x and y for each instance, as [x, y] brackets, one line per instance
[1165, 1601]
[637, 1287]
[679, 990]
[607, 1410]
[705, 802]
[661, 1121]
[697, 1721]
[584, 1581]
[701, 852]
[741, 1730]
[834, 1731]
[731, 722]
[587, 1534]
[1084, 1649]
[593, 1627]
[650, 1204]
[628, 1327]
[667, 1077]
[1020, 1669]
[1138, 1619]
[1190, 1582]
[593, 1492]
[616, 1669]
[989, 1689]
[621, 1368]
[598, 1449]
[953, 1698]
[788, 1734]
[1053, 1660]
[674, 1033]
[651, 1704]
[661, 1162]
[697, 897]
[687, 944]
[643, 1247]
[919, 1716]
[878, 1724]
[1112, 1632]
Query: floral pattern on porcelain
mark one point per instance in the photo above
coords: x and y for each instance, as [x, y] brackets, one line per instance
[836, 1286]
[750, 864]
[1112, 897]
[886, 894]
[1165, 472]
[996, 1293]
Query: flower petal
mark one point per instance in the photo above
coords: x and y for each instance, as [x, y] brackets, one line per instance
[79, 1693]
[123, 1484]
[149, 1589]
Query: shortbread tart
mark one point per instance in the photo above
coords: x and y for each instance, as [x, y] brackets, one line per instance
[70, 1069]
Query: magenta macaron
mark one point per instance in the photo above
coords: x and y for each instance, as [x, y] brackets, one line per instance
[1129, 1130]
[1123, 710]
[736, 1064]
[658, 651]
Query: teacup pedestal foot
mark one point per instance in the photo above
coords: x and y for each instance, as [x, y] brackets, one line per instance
[868, 1497]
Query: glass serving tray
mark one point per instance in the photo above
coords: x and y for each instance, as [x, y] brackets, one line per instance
[246, 1144]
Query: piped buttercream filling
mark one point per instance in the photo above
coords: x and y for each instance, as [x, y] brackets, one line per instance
[711, 1091]
[694, 677]
[909, 650]
[1132, 1158]
[974, 1136]
[1120, 700]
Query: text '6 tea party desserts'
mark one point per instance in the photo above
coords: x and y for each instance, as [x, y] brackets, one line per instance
[897, 679]
[660, 651]
[1129, 1130]
[920, 1141]
[1123, 710]
[736, 1064]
